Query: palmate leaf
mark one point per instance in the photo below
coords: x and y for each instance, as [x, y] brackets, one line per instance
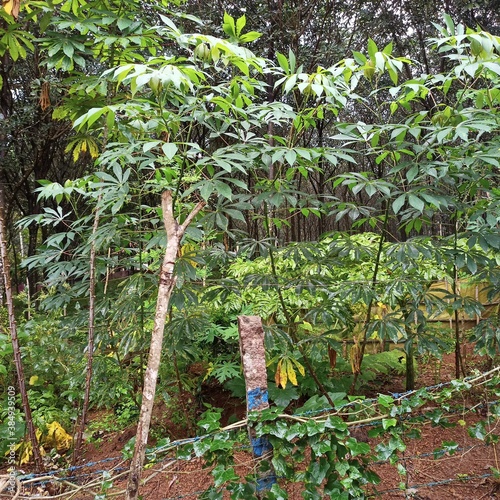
[16, 41]
[81, 145]
[223, 371]
[283, 396]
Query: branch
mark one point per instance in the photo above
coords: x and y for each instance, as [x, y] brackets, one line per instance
[168, 214]
[192, 215]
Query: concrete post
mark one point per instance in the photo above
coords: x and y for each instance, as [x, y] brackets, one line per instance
[253, 357]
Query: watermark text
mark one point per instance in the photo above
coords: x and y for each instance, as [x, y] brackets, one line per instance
[11, 431]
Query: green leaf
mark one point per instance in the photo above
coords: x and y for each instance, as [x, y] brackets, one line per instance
[471, 264]
[359, 58]
[89, 118]
[398, 203]
[478, 431]
[412, 173]
[201, 447]
[240, 24]
[169, 149]
[449, 448]
[245, 69]
[148, 146]
[210, 420]
[283, 397]
[223, 475]
[389, 422]
[370, 190]
[449, 24]
[290, 157]
[283, 62]
[13, 46]
[385, 401]
[222, 189]
[357, 447]
[229, 26]
[206, 189]
[372, 49]
[250, 36]
[381, 157]
[279, 429]
[124, 23]
[342, 468]
[318, 471]
[393, 75]
[388, 49]
[290, 84]
[416, 202]
[68, 49]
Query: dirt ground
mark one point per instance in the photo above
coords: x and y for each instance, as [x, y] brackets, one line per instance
[466, 474]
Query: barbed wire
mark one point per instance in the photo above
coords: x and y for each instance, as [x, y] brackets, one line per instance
[51, 476]
[431, 484]
[179, 443]
[186, 495]
[243, 423]
[399, 396]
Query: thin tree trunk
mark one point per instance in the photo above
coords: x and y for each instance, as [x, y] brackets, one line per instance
[175, 231]
[368, 318]
[410, 365]
[90, 341]
[459, 365]
[14, 338]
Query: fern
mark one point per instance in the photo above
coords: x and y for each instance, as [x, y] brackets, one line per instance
[386, 362]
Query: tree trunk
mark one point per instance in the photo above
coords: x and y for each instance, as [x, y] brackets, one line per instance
[175, 232]
[410, 364]
[90, 341]
[14, 337]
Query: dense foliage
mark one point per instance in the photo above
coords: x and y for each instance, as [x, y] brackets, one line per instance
[347, 195]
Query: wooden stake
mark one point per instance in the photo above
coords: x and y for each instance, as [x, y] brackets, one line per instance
[5, 264]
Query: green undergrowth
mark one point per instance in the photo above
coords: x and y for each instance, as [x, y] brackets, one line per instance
[317, 447]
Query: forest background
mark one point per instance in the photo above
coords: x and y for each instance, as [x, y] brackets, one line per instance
[329, 166]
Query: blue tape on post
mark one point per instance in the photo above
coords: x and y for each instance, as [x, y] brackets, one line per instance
[266, 483]
[260, 446]
[257, 397]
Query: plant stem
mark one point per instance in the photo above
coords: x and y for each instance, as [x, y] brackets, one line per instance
[370, 302]
[175, 232]
[291, 326]
[90, 341]
[459, 365]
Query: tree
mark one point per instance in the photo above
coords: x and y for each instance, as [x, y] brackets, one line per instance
[21, 382]
[175, 233]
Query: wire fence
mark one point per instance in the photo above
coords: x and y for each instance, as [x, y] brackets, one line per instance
[85, 478]
[409, 492]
